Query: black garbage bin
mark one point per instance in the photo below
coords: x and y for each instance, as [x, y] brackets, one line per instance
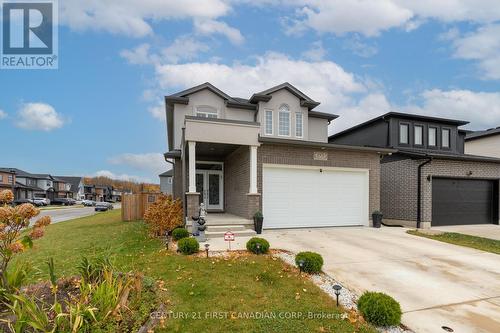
[377, 219]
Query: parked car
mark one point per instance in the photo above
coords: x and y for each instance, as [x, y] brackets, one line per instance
[39, 202]
[46, 201]
[103, 206]
[88, 203]
[22, 201]
[62, 201]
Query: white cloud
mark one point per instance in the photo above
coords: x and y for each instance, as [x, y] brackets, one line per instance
[482, 109]
[133, 18]
[356, 46]
[123, 176]
[482, 45]
[183, 48]
[3, 114]
[370, 18]
[39, 116]
[150, 162]
[316, 52]
[139, 55]
[210, 27]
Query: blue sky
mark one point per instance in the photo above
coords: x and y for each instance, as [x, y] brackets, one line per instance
[101, 112]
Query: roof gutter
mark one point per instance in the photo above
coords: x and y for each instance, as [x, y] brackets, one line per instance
[419, 191]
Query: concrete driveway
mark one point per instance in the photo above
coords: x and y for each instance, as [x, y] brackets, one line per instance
[437, 284]
[481, 230]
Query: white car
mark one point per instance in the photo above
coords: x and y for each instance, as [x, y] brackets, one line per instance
[41, 201]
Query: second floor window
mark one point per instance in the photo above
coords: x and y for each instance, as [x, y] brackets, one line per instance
[1, 178]
[284, 121]
[403, 133]
[445, 140]
[10, 179]
[432, 136]
[299, 124]
[419, 131]
[269, 122]
[206, 112]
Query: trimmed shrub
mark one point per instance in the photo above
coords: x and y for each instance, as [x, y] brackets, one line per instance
[379, 309]
[179, 233]
[254, 248]
[188, 245]
[164, 215]
[312, 262]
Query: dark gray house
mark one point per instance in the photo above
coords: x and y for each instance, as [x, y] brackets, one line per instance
[430, 181]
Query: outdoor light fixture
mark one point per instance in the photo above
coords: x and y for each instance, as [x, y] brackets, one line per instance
[167, 240]
[206, 248]
[469, 173]
[301, 265]
[337, 289]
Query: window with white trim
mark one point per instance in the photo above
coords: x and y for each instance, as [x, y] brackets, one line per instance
[403, 133]
[284, 120]
[1, 178]
[299, 125]
[445, 138]
[206, 112]
[432, 136]
[419, 135]
[269, 122]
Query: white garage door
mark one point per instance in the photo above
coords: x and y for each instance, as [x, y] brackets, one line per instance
[295, 197]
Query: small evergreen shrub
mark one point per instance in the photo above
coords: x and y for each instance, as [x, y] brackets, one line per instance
[179, 233]
[312, 262]
[188, 245]
[379, 309]
[252, 245]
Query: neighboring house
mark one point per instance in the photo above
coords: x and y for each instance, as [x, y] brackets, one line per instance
[76, 188]
[271, 153]
[485, 143]
[430, 181]
[166, 181]
[7, 179]
[89, 192]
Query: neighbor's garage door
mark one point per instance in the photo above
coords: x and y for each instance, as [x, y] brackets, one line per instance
[463, 201]
[314, 197]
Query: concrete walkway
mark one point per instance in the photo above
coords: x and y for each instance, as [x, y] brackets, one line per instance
[437, 284]
[481, 230]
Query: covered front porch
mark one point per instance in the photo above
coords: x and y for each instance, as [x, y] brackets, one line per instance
[220, 171]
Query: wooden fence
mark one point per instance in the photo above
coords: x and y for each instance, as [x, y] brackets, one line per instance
[135, 205]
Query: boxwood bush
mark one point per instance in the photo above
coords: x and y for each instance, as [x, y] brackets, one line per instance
[188, 245]
[252, 245]
[179, 233]
[312, 262]
[379, 309]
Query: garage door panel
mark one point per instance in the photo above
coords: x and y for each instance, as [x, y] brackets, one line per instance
[462, 201]
[296, 197]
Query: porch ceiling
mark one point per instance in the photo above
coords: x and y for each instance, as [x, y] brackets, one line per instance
[213, 150]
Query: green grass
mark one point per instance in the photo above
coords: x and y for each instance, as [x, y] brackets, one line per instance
[479, 243]
[195, 286]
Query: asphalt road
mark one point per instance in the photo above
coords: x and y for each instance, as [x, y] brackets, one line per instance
[64, 214]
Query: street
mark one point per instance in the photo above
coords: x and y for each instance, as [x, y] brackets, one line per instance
[64, 214]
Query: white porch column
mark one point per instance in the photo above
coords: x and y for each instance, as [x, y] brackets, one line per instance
[192, 166]
[253, 170]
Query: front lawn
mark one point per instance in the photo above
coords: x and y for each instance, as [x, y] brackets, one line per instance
[479, 243]
[241, 294]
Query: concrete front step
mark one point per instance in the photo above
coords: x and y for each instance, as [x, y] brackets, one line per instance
[224, 228]
[214, 222]
[237, 233]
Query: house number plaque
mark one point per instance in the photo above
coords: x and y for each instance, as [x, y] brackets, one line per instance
[320, 156]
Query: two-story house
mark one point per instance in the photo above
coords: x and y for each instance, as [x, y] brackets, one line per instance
[430, 181]
[267, 153]
[7, 179]
[74, 186]
[485, 143]
[166, 181]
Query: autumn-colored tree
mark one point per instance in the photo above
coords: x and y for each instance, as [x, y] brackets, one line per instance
[12, 221]
[164, 215]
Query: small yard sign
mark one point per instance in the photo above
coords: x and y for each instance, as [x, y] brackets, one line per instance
[229, 237]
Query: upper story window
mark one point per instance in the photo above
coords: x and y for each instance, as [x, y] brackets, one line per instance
[445, 138]
[206, 112]
[299, 125]
[432, 136]
[269, 122]
[403, 133]
[1, 178]
[10, 178]
[419, 135]
[284, 120]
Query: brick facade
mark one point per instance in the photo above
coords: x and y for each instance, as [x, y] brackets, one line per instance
[237, 181]
[399, 185]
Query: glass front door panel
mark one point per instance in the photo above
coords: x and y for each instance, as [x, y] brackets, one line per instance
[200, 185]
[213, 189]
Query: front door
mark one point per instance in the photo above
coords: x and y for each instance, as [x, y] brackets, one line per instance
[209, 183]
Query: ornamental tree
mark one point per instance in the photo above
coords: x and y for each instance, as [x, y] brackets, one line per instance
[13, 221]
[164, 215]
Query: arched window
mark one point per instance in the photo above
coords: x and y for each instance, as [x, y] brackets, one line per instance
[284, 120]
[206, 111]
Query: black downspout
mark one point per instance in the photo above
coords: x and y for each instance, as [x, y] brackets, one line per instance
[419, 190]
